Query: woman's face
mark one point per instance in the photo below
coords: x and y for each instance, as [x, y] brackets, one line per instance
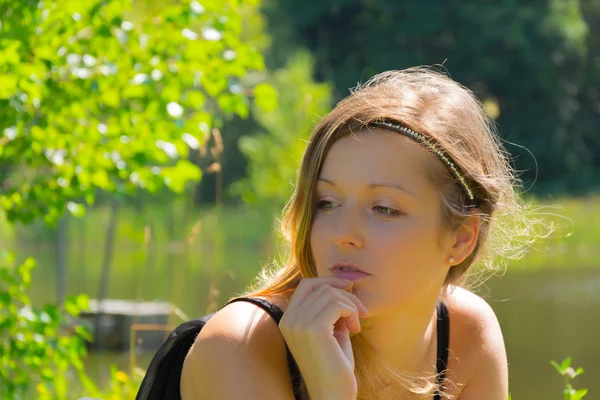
[377, 209]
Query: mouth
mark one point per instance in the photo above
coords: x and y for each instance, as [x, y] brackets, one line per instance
[345, 266]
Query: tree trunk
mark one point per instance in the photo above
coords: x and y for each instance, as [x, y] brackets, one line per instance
[81, 264]
[108, 253]
[61, 259]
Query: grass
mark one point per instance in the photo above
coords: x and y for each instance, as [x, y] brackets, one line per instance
[575, 241]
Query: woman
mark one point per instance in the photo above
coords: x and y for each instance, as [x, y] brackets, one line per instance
[399, 192]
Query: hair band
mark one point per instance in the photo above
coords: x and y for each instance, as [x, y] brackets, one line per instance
[421, 138]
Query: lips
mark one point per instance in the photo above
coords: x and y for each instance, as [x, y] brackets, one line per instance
[338, 272]
[339, 266]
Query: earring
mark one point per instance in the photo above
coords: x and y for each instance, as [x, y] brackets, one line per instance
[451, 259]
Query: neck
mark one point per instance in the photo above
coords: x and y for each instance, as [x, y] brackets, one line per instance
[403, 336]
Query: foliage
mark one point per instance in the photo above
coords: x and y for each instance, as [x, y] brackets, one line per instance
[569, 373]
[274, 156]
[95, 96]
[120, 387]
[44, 347]
[538, 61]
[38, 346]
[103, 95]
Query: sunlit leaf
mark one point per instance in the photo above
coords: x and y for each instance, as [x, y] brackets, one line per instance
[265, 97]
[76, 210]
[8, 85]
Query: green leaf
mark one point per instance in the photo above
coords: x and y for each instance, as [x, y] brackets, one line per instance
[134, 91]
[232, 103]
[101, 180]
[8, 86]
[71, 308]
[89, 385]
[194, 99]
[265, 97]
[84, 333]
[5, 299]
[47, 373]
[176, 177]
[566, 363]
[89, 199]
[188, 171]
[557, 367]
[76, 210]
[83, 301]
[60, 384]
[579, 394]
[110, 97]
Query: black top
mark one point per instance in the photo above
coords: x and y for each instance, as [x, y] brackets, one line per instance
[443, 340]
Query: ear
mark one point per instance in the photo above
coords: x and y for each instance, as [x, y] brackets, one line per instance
[464, 239]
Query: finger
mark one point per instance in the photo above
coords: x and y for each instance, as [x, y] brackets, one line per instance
[316, 302]
[333, 312]
[333, 293]
[309, 285]
[327, 299]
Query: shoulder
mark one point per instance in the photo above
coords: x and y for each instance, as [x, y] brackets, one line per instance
[477, 336]
[258, 326]
[240, 352]
[472, 312]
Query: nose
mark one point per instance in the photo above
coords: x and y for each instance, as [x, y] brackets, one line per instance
[348, 229]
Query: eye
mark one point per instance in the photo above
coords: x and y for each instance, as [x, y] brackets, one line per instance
[387, 211]
[326, 204]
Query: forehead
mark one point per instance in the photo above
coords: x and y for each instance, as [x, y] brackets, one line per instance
[374, 154]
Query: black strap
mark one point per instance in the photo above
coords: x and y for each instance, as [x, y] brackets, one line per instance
[276, 313]
[443, 342]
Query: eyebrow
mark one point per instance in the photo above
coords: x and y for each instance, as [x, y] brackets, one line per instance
[375, 186]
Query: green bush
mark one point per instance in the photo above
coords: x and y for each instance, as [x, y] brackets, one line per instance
[38, 347]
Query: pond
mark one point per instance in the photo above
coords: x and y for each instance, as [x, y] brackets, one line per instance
[545, 314]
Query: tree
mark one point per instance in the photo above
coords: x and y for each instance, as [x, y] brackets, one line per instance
[274, 156]
[97, 97]
[534, 59]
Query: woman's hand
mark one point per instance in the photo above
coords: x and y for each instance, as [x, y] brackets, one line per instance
[316, 326]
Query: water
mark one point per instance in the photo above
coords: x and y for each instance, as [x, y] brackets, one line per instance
[544, 314]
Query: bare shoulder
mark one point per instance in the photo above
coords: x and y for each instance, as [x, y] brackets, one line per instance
[470, 309]
[240, 353]
[243, 322]
[477, 343]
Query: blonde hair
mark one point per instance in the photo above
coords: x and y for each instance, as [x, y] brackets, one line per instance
[434, 105]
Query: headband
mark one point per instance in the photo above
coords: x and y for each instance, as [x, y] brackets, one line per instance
[427, 142]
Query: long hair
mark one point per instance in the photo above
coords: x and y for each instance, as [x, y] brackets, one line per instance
[428, 102]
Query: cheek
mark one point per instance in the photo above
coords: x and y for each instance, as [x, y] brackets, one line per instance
[408, 255]
[318, 244]
[409, 234]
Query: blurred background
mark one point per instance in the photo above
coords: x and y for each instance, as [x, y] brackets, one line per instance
[148, 148]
